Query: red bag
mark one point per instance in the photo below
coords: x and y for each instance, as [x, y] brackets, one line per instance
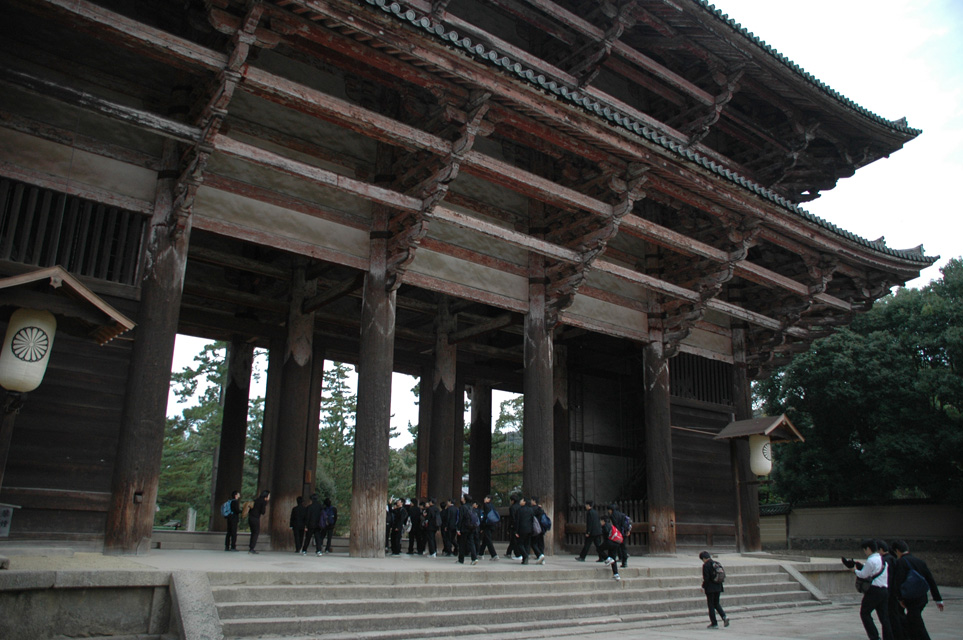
[615, 535]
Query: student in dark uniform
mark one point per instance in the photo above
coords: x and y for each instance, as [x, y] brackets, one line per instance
[593, 532]
[905, 563]
[312, 519]
[465, 531]
[610, 548]
[538, 540]
[399, 516]
[512, 550]
[523, 529]
[254, 518]
[713, 591]
[414, 533]
[897, 615]
[486, 530]
[230, 539]
[297, 522]
[432, 528]
[449, 518]
[332, 512]
[618, 519]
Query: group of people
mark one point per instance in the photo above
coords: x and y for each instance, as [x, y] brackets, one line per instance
[232, 512]
[609, 532]
[466, 529]
[897, 584]
[313, 521]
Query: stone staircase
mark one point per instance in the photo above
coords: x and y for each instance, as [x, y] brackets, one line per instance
[522, 602]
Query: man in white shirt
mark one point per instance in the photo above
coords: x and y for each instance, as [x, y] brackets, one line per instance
[877, 598]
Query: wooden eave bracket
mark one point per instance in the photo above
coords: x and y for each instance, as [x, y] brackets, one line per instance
[114, 322]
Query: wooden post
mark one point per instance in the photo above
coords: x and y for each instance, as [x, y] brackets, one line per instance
[458, 440]
[130, 515]
[747, 495]
[658, 450]
[563, 443]
[313, 430]
[289, 453]
[370, 482]
[444, 409]
[230, 457]
[538, 439]
[424, 433]
[480, 441]
[10, 405]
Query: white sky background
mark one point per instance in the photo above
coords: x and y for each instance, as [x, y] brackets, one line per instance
[895, 58]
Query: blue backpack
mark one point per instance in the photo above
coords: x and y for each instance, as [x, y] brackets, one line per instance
[493, 518]
[226, 509]
[473, 520]
[546, 522]
[323, 521]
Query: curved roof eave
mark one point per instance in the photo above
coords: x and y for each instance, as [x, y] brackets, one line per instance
[615, 117]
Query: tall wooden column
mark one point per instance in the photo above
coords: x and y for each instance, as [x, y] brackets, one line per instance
[293, 414]
[423, 443]
[563, 443]
[313, 430]
[272, 408]
[370, 481]
[444, 410]
[480, 441]
[658, 450]
[230, 457]
[130, 515]
[538, 439]
[747, 491]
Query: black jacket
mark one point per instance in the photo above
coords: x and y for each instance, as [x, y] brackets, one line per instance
[434, 518]
[903, 566]
[486, 508]
[593, 524]
[538, 512]
[523, 520]
[399, 516]
[618, 519]
[414, 514]
[512, 515]
[707, 584]
[298, 517]
[312, 515]
[258, 510]
[464, 519]
[450, 517]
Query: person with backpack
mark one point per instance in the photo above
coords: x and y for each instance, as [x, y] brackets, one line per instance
[713, 576]
[231, 510]
[331, 512]
[312, 521]
[618, 519]
[912, 581]
[538, 539]
[489, 520]
[612, 537]
[512, 550]
[465, 529]
[593, 532]
[524, 517]
[432, 527]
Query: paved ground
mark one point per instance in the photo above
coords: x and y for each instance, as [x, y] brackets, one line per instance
[836, 622]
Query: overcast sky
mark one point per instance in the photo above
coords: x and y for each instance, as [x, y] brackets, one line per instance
[896, 58]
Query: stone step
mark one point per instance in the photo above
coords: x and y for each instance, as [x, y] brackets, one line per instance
[444, 615]
[415, 599]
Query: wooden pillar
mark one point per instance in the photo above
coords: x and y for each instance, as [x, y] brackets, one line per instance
[272, 408]
[230, 457]
[130, 515]
[444, 409]
[370, 481]
[313, 427]
[563, 443]
[538, 438]
[747, 492]
[658, 450]
[458, 441]
[293, 415]
[480, 441]
[423, 442]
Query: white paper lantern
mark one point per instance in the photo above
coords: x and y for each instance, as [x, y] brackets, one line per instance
[760, 455]
[26, 349]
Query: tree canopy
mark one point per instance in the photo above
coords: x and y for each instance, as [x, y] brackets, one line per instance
[879, 403]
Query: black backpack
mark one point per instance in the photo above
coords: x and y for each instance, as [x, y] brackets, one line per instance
[718, 572]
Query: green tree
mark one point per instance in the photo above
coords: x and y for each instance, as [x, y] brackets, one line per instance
[339, 406]
[507, 450]
[878, 403]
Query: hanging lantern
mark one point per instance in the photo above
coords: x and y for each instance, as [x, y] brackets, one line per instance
[760, 455]
[26, 349]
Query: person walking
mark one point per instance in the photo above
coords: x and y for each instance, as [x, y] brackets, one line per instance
[618, 520]
[512, 550]
[465, 530]
[487, 526]
[523, 529]
[449, 524]
[713, 589]
[312, 519]
[897, 613]
[254, 518]
[911, 582]
[593, 532]
[230, 538]
[332, 513]
[876, 598]
[538, 539]
[611, 536]
[432, 527]
[297, 523]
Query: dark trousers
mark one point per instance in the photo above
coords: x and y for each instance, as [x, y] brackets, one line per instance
[609, 548]
[396, 542]
[466, 546]
[298, 538]
[447, 541]
[230, 539]
[915, 629]
[486, 543]
[255, 523]
[589, 541]
[306, 542]
[897, 618]
[523, 543]
[432, 541]
[512, 550]
[712, 599]
[877, 599]
[327, 538]
[538, 545]
[413, 536]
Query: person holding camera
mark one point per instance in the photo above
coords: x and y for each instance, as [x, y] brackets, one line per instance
[876, 595]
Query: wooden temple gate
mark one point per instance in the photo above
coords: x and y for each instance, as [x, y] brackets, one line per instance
[594, 204]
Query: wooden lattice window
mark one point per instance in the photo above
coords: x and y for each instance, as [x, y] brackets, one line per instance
[696, 378]
[44, 228]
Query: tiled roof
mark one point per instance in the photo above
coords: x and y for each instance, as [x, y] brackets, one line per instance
[616, 117]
